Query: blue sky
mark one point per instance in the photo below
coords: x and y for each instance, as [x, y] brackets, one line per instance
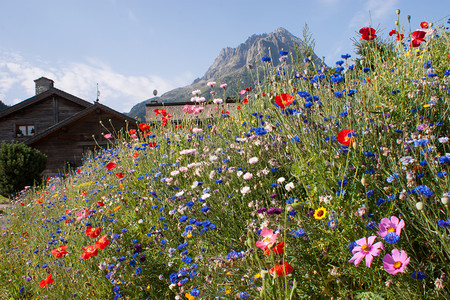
[132, 47]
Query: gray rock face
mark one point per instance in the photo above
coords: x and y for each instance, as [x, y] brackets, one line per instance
[230, 66]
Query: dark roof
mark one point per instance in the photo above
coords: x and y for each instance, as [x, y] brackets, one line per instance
[76, 117]
[42, 96]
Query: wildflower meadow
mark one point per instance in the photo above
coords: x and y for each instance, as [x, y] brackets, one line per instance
[326, 182]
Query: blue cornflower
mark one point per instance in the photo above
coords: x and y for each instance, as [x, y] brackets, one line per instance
[183, 219]
[427, 64]
[22, 289]
[266, 59]
[351, 246]
[391, 238]
[441, 174]
[423, 190]
[419, 275]
[345, 56]
[372, 225]
[283, 53]
[340, 62]
[195, 292]
[338, 94]
[243, 295]
[333, 224]
[299, 232]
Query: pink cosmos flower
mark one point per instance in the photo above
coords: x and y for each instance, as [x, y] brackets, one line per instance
[197, 130]
[393, 225]
[366, 249]
[211, 84]
[224, 85]
[395, 263]
[107, 136]
[269, 238]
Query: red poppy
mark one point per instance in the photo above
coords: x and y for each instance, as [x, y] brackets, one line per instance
[239, 107]
[102, 242]
[264, 94]
[278, 249]
[448, 56]
[282, 270]
[367, 33]
[59, 252]
[84, 193]
[111, 165]
[78, 171]
[89, 251]
[424, 25]
[151, 145]
[162, 112]
[284, 100]
[119, 175]
[132, 131]
[93, 233]
[144, 127]
[135, 154]
[245, 100]
[100, 203]
[417, 38]
[345, 137]
[46, 281]
[399, 35]
[249, 89]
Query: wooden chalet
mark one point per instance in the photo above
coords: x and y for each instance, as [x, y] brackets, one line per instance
[60, 125]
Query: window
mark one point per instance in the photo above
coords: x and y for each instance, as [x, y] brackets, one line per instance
[25, 130]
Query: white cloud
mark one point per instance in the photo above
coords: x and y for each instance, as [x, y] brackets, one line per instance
[118, 91]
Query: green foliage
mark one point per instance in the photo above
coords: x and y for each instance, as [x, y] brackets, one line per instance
[20, 166]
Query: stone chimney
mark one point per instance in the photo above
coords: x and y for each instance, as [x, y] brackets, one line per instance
[43, 84]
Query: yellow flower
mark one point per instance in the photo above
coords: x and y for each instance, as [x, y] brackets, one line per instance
[116, 208]
[320, 213]
[257, 275]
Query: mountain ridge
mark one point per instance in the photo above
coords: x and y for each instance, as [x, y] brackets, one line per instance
[231, 63]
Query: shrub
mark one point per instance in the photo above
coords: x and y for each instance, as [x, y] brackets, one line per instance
[20, 166]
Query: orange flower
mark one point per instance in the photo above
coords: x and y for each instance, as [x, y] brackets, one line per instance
[284, 100]
[89, 251]
[59, 252]
[119, 175]
[345, 137]
[102, 242]
[278, 249]
[93, 233]
[135, 154]
[282, 270]
[46, 281]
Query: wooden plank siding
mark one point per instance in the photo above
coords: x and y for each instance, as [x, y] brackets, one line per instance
[69, 143]
[41, 114]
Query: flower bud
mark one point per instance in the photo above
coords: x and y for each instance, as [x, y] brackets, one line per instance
[409, 18]
[363, 180]
[419, 206]
[445, 200]
[396, 23]
[397, 11]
